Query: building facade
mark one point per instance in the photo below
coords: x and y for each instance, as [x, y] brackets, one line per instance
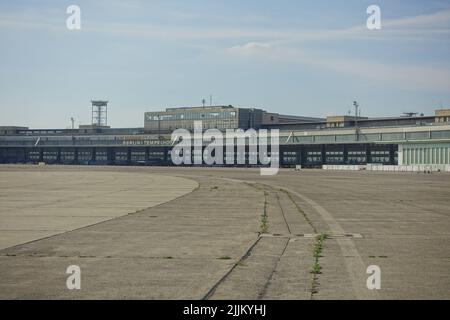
[313, 143]
[219, 117]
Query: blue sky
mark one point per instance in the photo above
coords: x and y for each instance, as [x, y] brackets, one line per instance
[295, 57]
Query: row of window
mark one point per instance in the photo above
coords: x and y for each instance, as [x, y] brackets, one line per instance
[288, 157]
[210, 124]
[422, 135]
[191, 116]
[305, 139]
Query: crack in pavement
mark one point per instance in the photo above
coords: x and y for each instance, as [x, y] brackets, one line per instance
[356, 269]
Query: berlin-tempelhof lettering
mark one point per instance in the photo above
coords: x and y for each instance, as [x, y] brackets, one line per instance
[236, 143]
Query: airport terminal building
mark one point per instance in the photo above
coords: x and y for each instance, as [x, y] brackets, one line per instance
[309, 142]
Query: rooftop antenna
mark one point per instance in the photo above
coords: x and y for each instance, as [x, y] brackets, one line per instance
[203, 102]
[73, 122]
[409, 114]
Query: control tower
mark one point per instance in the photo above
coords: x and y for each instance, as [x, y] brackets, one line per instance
[99, 113]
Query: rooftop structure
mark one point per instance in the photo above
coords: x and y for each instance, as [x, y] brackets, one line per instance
[442, 115]
[218, 117]
[5, 130]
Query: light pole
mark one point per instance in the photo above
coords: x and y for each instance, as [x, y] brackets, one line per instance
[356, 105]
[159, 127]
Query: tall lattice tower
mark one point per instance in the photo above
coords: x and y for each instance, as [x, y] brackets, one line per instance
[99, 112]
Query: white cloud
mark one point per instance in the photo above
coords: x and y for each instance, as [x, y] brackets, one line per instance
[429, 78]
[435, 20]
[425, 27]
[250, 48]
[407, 76]
[286, 45]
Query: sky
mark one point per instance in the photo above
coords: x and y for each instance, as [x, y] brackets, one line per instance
[311, 58]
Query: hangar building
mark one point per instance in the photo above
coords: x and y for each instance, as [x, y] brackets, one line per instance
[310, 142]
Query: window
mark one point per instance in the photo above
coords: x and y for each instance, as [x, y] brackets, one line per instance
[393, 136]
[289, 157]
[324, 138]
[356, 157]
[346, 137]
[370, 137]
[382, 156]
[314, 156]
[417, 135]
[440, 134]
[335, 156]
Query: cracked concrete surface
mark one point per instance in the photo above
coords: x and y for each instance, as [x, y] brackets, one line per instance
[204, 241]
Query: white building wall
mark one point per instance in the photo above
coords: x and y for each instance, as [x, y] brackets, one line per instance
[400, 154]
[432, 153]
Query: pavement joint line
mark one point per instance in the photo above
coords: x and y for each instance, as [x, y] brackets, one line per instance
[38, 255]
[212, 290]
[35, 230]
[269, 279]
[312, 236]
[301, 211]
[282, 212]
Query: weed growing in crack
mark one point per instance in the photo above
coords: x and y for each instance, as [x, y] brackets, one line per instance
[264, 224]
[317, 252]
